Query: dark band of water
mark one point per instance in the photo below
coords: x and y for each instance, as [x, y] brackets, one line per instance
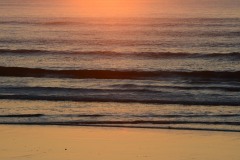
[110, 74]
[180, 55]
[121, 100]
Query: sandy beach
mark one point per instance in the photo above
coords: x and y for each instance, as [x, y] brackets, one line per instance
[90, 143]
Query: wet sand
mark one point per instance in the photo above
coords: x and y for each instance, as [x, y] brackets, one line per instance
[92, 143]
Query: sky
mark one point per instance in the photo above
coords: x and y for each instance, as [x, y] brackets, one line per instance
[92, 8]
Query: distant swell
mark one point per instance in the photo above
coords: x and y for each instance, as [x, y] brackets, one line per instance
[153, 22]
[112, 74]
[182, 55]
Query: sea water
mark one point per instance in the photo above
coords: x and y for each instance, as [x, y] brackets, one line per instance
[170, 65]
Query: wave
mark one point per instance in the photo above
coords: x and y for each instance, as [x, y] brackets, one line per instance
[77, 98]
[22, 51]
[141, 122]
[79, 90]
[154, 87]
[159, 122]
[121, 88]
[189, 115]
[137, 124]
[125, 95]
[41, 115]
[117, 74]
[124, 126]
[104, 115]
[232, 55]
[21, 115]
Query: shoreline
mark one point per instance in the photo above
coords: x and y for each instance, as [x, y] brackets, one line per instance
[120, 126]
[72, 142]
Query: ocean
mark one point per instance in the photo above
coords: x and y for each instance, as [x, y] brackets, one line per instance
[164, 65]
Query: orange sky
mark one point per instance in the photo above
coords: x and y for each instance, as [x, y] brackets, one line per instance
[141, 7]
[107, 7]
[121, 8]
